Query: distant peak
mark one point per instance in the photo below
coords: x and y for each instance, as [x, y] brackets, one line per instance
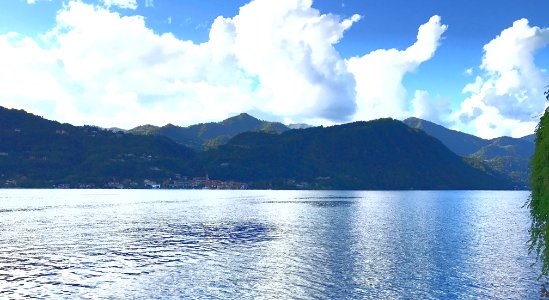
[416, 121]
[413, 119]
[240, 117]
[244, 115]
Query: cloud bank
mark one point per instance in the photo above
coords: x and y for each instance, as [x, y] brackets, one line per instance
[506, 98]
[277, 58]
[379, 74]
[125, 4]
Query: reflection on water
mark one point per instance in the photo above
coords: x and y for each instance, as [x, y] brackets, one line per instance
[319, 203]
[265, 244]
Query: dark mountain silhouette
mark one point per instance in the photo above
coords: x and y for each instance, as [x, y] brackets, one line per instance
[530, 138]
[381, 154]
[210, 135]
[508, 156]
[460, 143]
[35, 152]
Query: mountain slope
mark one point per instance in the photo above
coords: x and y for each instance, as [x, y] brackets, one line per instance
[211, 135]
[381, 154]
[508, 156]
[36, 152]
[462, 144]
[506, 146]
[530, 138]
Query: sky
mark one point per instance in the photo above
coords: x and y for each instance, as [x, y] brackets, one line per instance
[475, 66]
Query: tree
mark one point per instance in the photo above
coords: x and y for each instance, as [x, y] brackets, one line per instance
[539, 199]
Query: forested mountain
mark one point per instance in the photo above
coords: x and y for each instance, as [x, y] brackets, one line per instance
[508, 156]
[35, 152]
[462, 144]
[381, 154]
[210, 135]
[530, 138]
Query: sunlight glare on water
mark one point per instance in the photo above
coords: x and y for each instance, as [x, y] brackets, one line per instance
[265, 244]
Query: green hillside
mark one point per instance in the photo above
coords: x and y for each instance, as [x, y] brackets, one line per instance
[508, 156]
[210, 135]
[381, 154]
[35, 152]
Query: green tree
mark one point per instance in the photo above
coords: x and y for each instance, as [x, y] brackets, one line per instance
[539, 200]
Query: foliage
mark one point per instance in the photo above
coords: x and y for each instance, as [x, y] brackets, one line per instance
[381, 154]
[39, 153]
[539, 200]
[508, 156]
[462, 144]
[210, 135]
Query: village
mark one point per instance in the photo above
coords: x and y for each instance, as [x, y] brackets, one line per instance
[180, 182]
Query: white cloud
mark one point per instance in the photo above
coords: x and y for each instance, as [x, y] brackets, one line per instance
[505, 98]
[288, 47]
[149, 3]
[34, 1]
[379, 74]
[102, 68]
[433, 110]
[276, 58]
[469, 71]
[125, 4]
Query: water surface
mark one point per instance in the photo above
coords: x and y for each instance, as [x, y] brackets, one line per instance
[145, 244]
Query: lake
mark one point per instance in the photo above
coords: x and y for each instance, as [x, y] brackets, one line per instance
[197, 244]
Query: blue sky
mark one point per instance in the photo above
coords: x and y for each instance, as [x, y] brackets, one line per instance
[479, 66]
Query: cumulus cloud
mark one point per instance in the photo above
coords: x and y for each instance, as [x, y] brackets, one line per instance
[103, 68]
[276, 58]
[100, 68]
[434, 110]
[288, 47]
[504, 99]
[125, 4]
[379, 74]
[468, 71]
[149, 3]
[34, 1]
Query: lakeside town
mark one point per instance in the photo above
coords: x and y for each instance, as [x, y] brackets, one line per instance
[180, 182]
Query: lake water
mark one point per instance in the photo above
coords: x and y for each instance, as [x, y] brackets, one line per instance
[146, 244]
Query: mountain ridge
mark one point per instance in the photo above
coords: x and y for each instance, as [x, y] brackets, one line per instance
[380, 154]
[41, 153]
[203, 136]
[508, 156]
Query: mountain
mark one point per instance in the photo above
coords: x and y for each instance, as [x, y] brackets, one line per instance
[35, 152]
[382, 154]
[116, 129]
[506, 146]
[144, 129]
[530, 138]
[210, 135]
[508, 156]
[462, 144]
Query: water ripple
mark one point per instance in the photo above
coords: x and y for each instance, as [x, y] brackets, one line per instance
[263, 245]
